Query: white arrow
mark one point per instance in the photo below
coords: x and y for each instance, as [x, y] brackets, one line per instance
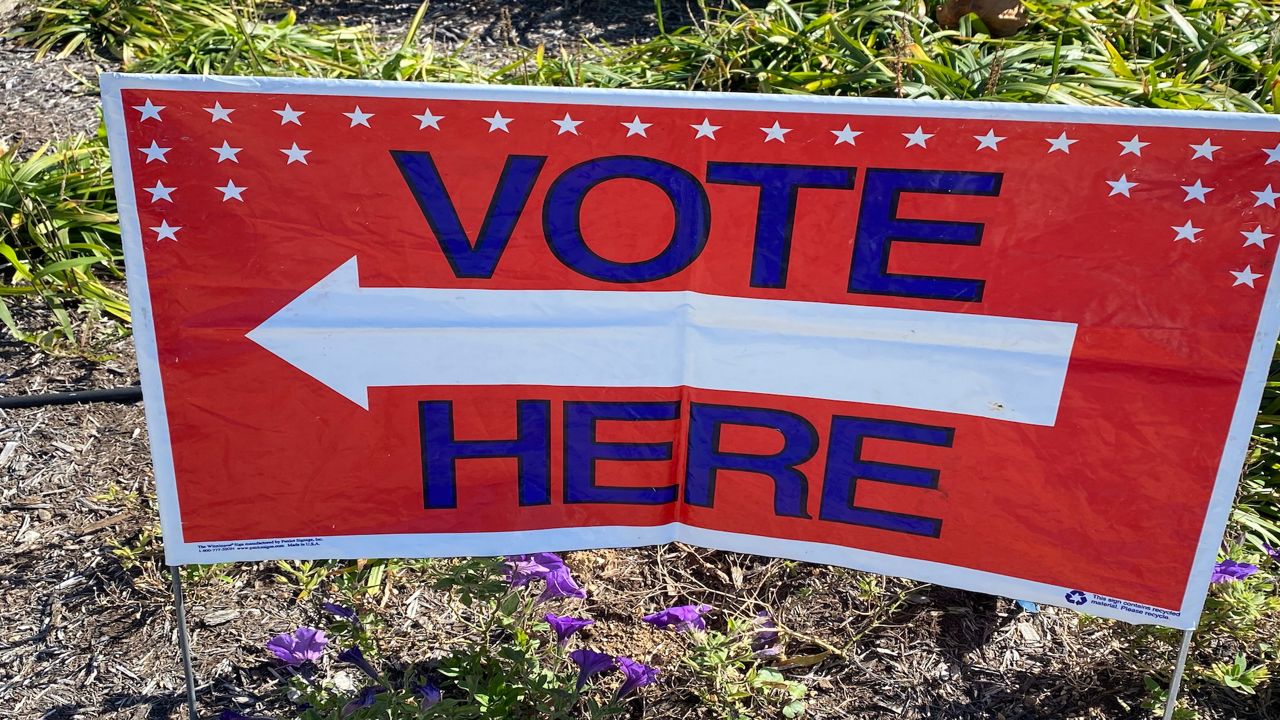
[352, 338]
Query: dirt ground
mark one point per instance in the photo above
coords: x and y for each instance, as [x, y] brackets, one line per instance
[86, 618]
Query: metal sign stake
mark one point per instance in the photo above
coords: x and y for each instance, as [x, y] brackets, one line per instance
[1172, 703]
[184, 641]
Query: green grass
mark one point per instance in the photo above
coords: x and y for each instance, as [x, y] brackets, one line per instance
[59, 234]
[1208, 54]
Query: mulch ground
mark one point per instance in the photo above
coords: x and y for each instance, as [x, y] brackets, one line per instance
[86, 616]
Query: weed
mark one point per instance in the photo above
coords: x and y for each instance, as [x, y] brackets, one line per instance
[1238, 675]
[305, 575]
[139, 549]
[730, 679]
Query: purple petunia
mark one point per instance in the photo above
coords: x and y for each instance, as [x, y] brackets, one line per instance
[560, 584]
[521, 570]
[565, 626]
[429, 692]
[1271, 552]
[548, 567]
[764, 641]
[636, 675]
[366, 698]
[1229, 571]
[590, 663]
[340, 611]
[681, 617]
[300, 646]
[353, 656]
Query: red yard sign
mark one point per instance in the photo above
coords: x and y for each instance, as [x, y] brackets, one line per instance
[1008, 348]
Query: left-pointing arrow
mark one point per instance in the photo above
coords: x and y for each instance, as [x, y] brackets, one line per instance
[352, 338]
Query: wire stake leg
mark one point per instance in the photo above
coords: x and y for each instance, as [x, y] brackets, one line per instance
[184, 641]
[1172, 703]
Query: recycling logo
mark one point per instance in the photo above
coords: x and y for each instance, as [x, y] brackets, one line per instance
[1076, 597]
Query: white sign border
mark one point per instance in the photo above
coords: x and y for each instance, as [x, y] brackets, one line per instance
[179, 552]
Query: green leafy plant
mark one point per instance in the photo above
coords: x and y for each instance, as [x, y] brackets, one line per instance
[122, 28]
[223, 43]
[143, 547]
[59, 233]
[734, 682]
[1237, 608]
[510, 662]
[306, 576]
[1158, 696]
[1238, 675]
[1212, 54]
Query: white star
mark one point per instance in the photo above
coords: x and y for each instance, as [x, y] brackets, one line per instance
[226, 152]
[149, 111]
[567, 125]
[1121, 186]
[777, 132]
[1062, 143]
[846, 135]
[428, 120]
[1133, 146]
[497, 122]
[359, 117]
[635, 127]
[155, 152]
[296, 154]
[1273, 154]
[230, 191]
[990, 140]
[219, 113]
[1205, 149]
[166, 231]
[918, 138]
[160, 192]
[706, 129]
[1186, 232]
[1196, 192]
[1255, 237]
[289, 115]
[1245, 276]
[1265, 197]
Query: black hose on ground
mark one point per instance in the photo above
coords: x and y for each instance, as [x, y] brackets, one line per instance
[130, 394]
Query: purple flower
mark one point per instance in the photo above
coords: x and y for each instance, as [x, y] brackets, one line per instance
[353, 656]
[301, 645]
[636, 675]
[233, 715]
[590, 663]
[550, 561]
[344, 613]
[764, 641]
[681, 617]
[564, 626]
[521, 570]
[560, 584]
[1271, 552]
[366, 698]
[1229, 571]
[429, 692]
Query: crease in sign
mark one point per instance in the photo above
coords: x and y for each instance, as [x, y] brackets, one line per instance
[351, 338]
